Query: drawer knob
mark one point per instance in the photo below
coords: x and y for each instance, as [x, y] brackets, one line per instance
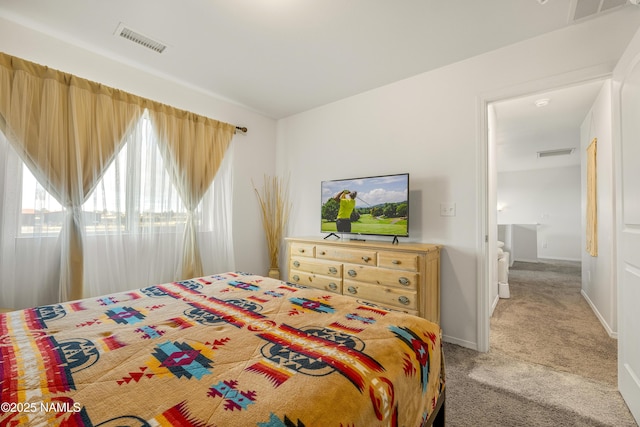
[352, 290]
[352, 273]
[404, 300]
[296, 278]
[395, 261]
[333, 270]
[333, 286]
[366, 258]
[301, 250]
[323, 253]
[404, 281]
[296, 264]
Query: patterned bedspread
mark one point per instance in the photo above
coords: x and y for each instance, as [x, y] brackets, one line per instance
[225, 350]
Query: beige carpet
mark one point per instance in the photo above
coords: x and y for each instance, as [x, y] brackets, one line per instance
[547, 321]
[551, 363]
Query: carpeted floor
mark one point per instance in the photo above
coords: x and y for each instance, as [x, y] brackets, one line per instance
[551, 362]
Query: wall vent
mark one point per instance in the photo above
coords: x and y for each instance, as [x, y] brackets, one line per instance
[582, 9]
[553, 153]
[142, 40]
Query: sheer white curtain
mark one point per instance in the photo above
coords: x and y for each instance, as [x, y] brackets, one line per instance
[132, 241]
[216, 225]
[29, 249]
[193, 148]
[139, 239]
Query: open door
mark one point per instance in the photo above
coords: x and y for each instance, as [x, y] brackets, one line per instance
[628, 193]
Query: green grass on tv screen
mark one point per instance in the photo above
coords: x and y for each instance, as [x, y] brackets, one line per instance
[370, 225]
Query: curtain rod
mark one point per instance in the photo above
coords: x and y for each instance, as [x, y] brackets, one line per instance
[241, 129]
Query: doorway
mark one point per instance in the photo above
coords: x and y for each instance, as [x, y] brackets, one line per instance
[544, 193]
[566, 123]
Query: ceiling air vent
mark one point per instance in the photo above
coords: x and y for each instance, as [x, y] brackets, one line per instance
[142, 40]
[553, 153]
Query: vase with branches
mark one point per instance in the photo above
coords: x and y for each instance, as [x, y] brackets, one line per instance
[275, 208]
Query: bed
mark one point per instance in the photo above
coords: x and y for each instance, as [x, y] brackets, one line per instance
[231, 349]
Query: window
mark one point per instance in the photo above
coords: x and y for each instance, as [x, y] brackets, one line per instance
[135, 194]
[41, 213]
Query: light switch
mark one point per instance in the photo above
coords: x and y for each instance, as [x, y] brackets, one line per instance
[447, 209]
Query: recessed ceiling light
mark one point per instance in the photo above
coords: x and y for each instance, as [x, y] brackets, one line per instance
[542, 102]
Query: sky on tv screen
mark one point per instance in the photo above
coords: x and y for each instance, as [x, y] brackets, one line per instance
[371, 191]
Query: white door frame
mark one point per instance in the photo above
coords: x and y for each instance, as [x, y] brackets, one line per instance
[628, 383]
[487, 253]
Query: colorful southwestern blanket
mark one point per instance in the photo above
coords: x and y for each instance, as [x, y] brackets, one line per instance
[224, 350]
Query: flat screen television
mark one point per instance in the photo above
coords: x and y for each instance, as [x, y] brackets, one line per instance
[375, 205]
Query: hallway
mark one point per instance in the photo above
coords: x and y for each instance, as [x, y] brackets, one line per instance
[547, 321]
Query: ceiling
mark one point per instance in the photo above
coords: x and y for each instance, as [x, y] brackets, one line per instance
[283, 57]
[523, 128]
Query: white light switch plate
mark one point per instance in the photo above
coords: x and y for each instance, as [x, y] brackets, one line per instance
[447, 209]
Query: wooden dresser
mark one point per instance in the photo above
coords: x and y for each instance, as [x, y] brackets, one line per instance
[405, 276]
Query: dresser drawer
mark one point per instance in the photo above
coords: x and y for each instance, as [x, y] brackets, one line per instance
[398, 260]
[302, 249]
[356, 256]
[393, 297]
[332, 284]
[382, 276]
[312, 265]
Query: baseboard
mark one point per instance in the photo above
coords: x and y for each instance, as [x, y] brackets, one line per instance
[461, 343]
[547, 258]
[551, 258]
[495, 303]
[605, 325]
[526, 260]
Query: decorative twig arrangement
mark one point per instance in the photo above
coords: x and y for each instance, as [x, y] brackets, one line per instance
[275, 208]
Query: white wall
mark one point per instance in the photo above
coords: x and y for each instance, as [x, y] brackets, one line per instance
[254, 153]
[428, 125]
[549, 198]
[598, 273]
[520, 241]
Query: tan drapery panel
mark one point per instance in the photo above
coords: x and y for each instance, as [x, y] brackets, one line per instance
[193, 148]
[67, 130]
[592, 212]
